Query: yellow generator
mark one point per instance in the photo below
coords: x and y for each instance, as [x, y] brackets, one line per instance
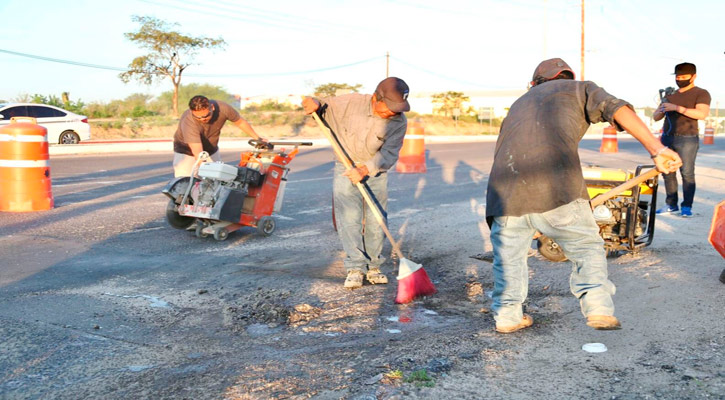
[626, 221]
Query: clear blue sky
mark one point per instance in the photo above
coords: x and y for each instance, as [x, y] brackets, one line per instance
[289, 47]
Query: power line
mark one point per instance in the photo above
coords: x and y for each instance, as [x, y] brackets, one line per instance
[57, 60]
[235, 15]
[446, 77]
[248, 75]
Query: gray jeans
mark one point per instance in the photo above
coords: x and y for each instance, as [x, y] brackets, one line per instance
[572, 226]
[360, 234]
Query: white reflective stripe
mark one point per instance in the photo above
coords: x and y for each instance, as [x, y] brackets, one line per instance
[607, 135]
[24, 163]
[415, 136]
[23, 138]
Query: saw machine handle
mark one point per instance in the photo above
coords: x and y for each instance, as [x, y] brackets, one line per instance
[600, 199]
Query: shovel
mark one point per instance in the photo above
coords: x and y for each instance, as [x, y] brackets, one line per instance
[600, 199]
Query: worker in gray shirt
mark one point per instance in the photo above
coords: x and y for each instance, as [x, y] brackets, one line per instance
[370, 129]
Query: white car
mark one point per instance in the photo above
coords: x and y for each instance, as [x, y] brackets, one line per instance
[64, 127]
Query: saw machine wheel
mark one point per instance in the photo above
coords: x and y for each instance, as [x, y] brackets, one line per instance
[266, 225]
[550, 249]
[221, 233]
[175, 220]
[200, 230]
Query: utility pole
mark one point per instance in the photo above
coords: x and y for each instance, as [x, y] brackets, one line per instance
[387, 64]
[582, 51]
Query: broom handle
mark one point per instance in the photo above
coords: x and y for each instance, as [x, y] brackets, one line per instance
[363, 190]
[624, 186]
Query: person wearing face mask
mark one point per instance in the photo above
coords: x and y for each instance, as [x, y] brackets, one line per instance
[370, 129]
[681, 111]
[199, 130]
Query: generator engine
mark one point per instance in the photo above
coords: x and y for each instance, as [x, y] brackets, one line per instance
[626, 222]
[613, 221]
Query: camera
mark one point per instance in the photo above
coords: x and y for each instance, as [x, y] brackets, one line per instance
[666, 92]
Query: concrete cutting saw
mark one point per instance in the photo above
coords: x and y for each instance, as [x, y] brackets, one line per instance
[221, 198]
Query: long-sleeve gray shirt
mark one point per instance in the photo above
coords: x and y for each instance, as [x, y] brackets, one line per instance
[367, 138]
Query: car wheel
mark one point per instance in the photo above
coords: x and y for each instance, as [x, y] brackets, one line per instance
[69, 137]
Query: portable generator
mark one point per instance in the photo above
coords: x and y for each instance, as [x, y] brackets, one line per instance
[221, 198]
[626, 221]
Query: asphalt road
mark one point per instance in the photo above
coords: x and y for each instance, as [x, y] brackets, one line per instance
[115, 200]
[81, 284]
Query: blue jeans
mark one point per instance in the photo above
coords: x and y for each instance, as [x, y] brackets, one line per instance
[572, 226]
[360, 234]
[686, 147]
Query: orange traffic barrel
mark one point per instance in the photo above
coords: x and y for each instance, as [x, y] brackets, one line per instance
[717, 229]
[24, 167]
[411, 158]
[709, 136]
[609, 140]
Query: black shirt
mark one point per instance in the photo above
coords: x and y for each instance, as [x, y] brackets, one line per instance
[536, 165]
[677, 124]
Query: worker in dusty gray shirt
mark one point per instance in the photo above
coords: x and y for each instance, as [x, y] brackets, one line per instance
[370, 129]
[199, 130]
[536, 184]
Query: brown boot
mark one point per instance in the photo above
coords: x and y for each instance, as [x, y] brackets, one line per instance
[526, 322]
[375, 276]
[354, 280]
[603, 322]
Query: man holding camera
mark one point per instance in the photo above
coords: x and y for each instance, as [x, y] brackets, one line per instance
[681, 110]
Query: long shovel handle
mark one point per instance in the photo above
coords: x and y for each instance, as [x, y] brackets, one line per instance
[363, 190]
[624, 186]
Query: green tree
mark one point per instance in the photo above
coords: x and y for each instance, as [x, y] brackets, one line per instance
[185, 92]
[448, 101]
[170, 53]
[331, 89]
[63, 102]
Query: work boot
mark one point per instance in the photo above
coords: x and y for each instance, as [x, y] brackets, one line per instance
[526, 322]
[722, 276]
[603, 322]
[375, 276]
[354, 280]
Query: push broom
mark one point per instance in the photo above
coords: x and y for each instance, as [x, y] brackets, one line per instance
[413, 281]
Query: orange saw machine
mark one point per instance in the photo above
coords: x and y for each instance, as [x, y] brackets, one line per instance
[221, 198]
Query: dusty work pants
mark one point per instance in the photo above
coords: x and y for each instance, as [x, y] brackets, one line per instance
[362, 242]
[686, 147]
[572, 226]
[183, 164]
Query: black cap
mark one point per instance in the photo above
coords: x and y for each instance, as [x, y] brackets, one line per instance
[551, 68]
[394, 93]
[685, 69]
